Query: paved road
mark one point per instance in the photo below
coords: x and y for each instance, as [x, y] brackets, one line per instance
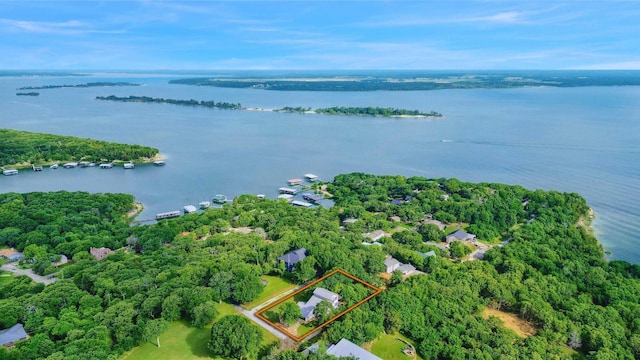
[37, 278]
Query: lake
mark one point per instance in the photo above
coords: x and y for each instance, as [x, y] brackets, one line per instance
[584, 140]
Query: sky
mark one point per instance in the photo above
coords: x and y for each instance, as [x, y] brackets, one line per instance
[319, 35]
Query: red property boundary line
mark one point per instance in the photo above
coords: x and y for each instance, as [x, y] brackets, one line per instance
[258, 314]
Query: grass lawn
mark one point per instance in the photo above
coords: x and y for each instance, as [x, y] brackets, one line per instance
[5, 276]
[182, 341]
[275, 285]
[388, 348]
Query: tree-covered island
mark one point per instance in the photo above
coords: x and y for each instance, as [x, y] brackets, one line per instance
[533, 261]
[86, 85]
[23, 149]
[30, 93]
[336, 110]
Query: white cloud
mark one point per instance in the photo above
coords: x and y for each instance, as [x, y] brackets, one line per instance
[71, 27]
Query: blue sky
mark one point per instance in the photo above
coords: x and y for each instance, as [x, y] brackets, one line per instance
[390, 34]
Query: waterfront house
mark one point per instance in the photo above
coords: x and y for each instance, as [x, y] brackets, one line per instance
[319, 294]
[293, 257]
[15, 257]
[460, 235]
[10, 336]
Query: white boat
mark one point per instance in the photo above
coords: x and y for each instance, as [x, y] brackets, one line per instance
[129, 165]
[54, 166]
[70, 165]
[159, 163]
[446, 140]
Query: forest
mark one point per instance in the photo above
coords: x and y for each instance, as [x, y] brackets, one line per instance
[365, 111]
[26, 148]
[551, 272]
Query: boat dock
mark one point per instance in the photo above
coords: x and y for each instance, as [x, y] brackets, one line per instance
[287, 197]
[129, 165]
[286, 190]
[219, 199]
[37, 167]
[311, 177]
[312, 197]
[204, 204]
[293, 182]
[188, 209]
[106, 166]
[70, 165]
[301, 203]
[166, 215]
[8, 172]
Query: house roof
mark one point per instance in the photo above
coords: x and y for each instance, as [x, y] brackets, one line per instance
[406, 268]
[391, 262]
[426, 254]
[461, 234]
[319, 294]
[325, 294]
[12, 334]
[16, 256]
[293, 257]
[100, 253]
[345, 348]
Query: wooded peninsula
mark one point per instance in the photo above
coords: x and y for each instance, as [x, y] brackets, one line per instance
[336, 110]
[87, 85]
[541, 266]
[23, 149]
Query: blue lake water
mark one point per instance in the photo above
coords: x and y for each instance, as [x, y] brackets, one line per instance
[584, 140]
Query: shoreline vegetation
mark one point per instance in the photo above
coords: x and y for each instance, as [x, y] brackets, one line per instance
[336, 110]
[86, 85]
[417, 80]
[22, 149]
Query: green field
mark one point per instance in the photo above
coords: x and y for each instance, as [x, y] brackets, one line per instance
[388, 348]
[5, 276]
[275, 285]
[182, 341]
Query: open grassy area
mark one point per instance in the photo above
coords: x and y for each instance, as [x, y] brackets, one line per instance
[275, 286]
[387, 347]
[5, 276]
[182, 341]
[511, 321]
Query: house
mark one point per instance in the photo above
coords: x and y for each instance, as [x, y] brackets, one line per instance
[391, 264]
[395, 218]
[374, 235]
[100, 253]
[397, 202]
[16, 257]
[345, 348]
[293, 257]
[319, 294]
[460, 235]
[10, 336]
[406, 269]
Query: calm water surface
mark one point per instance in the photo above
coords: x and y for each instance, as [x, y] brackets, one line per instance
[584, 140]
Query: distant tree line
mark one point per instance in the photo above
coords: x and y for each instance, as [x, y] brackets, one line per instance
[91, 84]
[146, 99]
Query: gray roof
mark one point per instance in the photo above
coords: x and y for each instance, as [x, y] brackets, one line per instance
[12, 334]
[346, 348]
[391, 262]
[325, 294]
[406, 268]
[461, 234]
[293, 257]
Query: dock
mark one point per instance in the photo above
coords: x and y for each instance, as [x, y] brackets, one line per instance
[287, 197]
[286, 190]
[37, 167]
[204, 204]
[129, 165]
[311, 177]
[159, 163]
[219, 199]
[301, 203]
[70, 165]
[312, 197]
[293, 182]
[166, 215]
[8, 172]
[106, 166]
[188, 209]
